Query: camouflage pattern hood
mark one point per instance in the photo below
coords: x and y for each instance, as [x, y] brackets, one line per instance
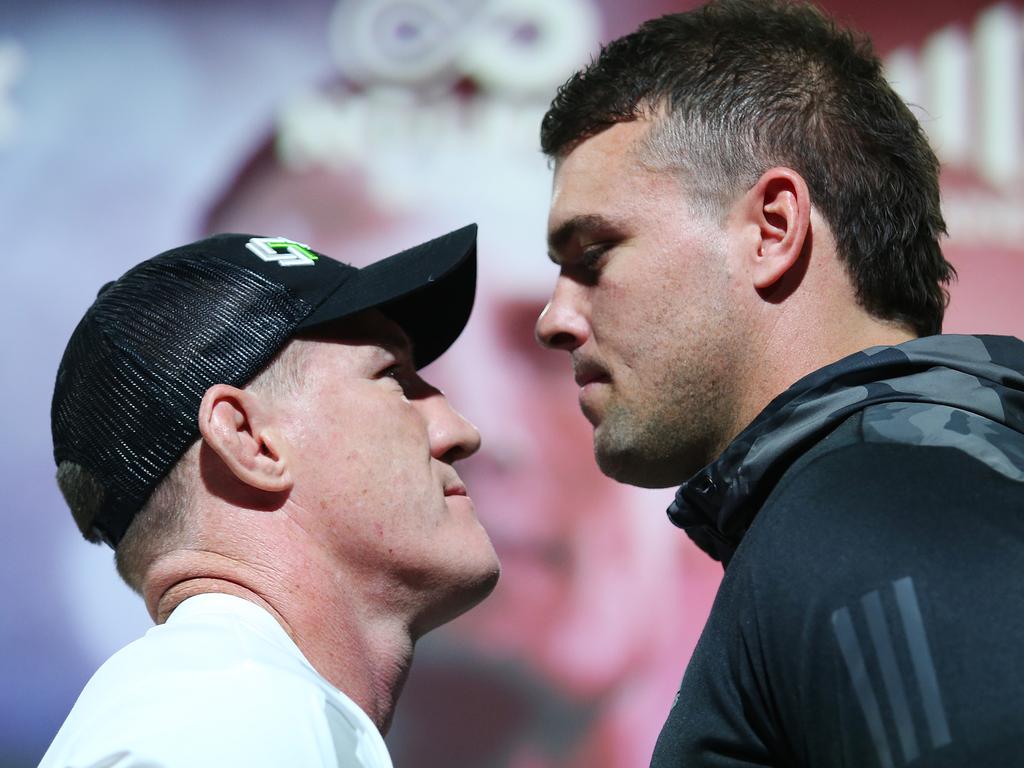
[965, 392]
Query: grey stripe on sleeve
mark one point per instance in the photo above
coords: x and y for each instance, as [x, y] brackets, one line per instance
[882, 640]
[921, 656]
[842, 625]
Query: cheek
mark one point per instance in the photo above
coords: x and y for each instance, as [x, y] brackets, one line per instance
[632, 316]
[368, 492]
[614, 314]
[365, 447]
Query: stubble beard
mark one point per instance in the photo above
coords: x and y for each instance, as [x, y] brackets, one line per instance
[675, 427]
[659, 450]
[680, 410]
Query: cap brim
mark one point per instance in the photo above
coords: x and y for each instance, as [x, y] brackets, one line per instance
[428, 290]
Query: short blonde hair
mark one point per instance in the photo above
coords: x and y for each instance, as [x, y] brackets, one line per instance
[166, 521]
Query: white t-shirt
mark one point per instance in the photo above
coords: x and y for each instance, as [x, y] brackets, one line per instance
[219, 684]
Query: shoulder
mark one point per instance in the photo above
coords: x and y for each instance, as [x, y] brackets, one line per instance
[861, 511]
[885, 555]
[891, 473]
[212, 694]
[868, 549]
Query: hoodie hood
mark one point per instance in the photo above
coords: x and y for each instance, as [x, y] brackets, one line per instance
[974, 375]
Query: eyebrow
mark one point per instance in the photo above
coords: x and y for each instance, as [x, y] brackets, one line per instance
[584, 224]
[390, 338]
[397, 344]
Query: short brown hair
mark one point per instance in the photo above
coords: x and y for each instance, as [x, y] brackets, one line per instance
[738, 86]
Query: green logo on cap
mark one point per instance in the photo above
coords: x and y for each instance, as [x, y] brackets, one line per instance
[287, 253]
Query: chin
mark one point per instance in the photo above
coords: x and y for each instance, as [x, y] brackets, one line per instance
[632, 467]
[482, 583]
[464, 593]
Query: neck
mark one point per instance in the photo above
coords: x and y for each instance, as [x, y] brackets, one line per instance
[364, 653]
[182, 591]
[360, 651]
[798, 349]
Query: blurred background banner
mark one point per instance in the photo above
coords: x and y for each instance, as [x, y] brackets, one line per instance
[363, 127]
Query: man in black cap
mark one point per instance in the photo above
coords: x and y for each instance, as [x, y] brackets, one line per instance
[242, 421]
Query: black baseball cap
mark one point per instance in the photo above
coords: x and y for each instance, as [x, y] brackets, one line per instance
[126, 400]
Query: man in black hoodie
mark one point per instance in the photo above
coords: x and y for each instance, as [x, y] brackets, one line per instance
[743, 207]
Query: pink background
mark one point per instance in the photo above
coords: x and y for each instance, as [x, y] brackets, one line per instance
[130, 127]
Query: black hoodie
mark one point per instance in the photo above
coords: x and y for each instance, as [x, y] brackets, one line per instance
[872, 611]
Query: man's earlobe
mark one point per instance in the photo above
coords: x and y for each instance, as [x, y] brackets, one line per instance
[238, 426]
[780, 205]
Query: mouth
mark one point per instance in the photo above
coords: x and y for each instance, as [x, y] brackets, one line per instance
[455, 489]
[586, 372]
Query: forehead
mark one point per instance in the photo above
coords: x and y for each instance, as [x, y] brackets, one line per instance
[604, 170]
[365, 334]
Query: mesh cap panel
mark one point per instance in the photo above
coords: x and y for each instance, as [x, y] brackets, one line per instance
[129, 386]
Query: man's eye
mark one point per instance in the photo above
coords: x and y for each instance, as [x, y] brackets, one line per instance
[592, 255]
[394, 372]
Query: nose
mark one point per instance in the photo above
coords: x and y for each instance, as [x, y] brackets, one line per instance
[563, 323]
[452, 436]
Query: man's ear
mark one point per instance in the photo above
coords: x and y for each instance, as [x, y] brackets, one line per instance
[238, 426]
[779, 205]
